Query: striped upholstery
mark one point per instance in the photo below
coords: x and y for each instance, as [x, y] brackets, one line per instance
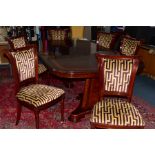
[105, 40]
[18, 42]
[38, 94]
[57, 34]
[25, 63]
[129, 46]
[41, 68]
[117, 74]
[116, 112]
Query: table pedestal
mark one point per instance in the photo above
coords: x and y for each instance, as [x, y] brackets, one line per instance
[89, 98]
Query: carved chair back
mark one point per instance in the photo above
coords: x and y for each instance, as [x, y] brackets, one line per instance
[60, 34]
[24, 64]
[105, 41]
[117, 75]
[129, 46]
[17, 42]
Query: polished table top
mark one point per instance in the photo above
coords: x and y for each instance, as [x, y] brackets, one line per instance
[74, 64]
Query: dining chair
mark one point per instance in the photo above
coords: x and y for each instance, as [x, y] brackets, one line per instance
[105, 41]
[58, 34]
[16, 43]
[58, 40]
[28, 91]
[129, 46]
[114, 108]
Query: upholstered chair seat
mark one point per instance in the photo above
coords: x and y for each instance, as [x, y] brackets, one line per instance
[116, 113]
[38, 94]
[41, 68]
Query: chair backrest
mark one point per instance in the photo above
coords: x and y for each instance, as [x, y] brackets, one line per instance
[105, 41]
[24, 63]
[59, 34]
[117, 75]
[129, 46]
[17, 42]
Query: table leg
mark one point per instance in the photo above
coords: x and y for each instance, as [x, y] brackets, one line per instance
[89, 98]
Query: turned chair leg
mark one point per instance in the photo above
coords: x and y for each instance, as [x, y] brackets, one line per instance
[62, 110]
[19, 109]
[37, 119]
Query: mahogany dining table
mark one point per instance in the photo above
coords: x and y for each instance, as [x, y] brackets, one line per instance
[76, 63]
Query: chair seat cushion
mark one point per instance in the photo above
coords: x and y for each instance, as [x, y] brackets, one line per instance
[38, 94]
[41, 68]
[116, 112]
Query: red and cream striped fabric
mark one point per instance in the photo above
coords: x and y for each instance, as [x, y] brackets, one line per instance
[41, 68]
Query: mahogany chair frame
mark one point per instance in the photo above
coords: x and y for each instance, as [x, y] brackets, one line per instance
[19, 85]
[103, 93]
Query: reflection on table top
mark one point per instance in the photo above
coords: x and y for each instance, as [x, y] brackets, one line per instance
[71, 64]
[78, 62]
